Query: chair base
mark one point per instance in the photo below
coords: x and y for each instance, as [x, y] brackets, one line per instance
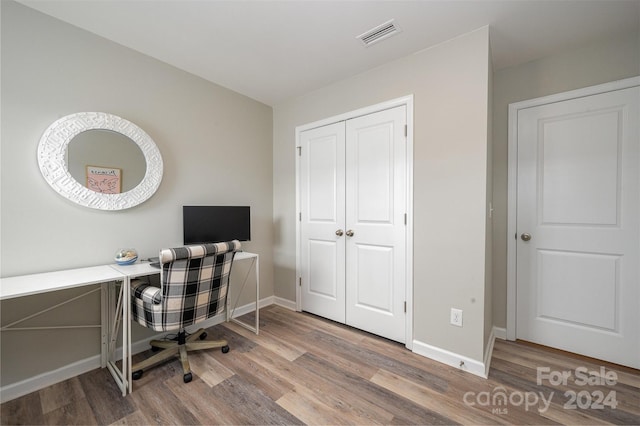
[179, 347]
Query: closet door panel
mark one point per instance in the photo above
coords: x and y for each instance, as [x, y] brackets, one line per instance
[375, 239]
[322, 215]
[375, 274]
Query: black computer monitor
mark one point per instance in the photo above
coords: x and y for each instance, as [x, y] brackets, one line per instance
[213, 224]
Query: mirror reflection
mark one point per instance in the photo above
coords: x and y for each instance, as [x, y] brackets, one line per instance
[105, 161]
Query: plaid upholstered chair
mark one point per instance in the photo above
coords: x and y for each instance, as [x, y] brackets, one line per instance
[193, 287]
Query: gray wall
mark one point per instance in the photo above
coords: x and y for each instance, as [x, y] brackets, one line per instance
[216, 146]
[450, 84]
[608, 60]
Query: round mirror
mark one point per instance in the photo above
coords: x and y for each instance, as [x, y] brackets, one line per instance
[100, 160]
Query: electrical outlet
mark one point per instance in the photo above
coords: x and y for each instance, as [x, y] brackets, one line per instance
[456, 317]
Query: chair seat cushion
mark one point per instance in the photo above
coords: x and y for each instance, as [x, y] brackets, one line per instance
[148, 293]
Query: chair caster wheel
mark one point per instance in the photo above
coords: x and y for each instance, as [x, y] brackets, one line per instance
[203, 335]
[225, 349]
[136, 374]
[187, 377]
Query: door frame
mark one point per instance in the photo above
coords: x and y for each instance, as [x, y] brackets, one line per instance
[512, 180]
[406, 101]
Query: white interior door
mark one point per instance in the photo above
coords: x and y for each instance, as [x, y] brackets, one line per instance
[353, 198]
[375, 223]
[578, 276]
[322, 249]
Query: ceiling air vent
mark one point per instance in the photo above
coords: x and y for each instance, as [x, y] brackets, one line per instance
[379, 33]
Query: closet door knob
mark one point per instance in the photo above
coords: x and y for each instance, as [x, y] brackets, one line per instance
[339, 232]
[526, 237]
[349, 233]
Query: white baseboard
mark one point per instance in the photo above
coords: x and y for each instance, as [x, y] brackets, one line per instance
[249, 307]
[489, 352]
[496, 333]
[18, 389]
[454, 360]
[500, 333]
[32, 384]
[285, 303]
[450, 358]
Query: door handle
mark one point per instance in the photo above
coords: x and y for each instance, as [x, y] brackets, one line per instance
[526, 236]
[339, 232]
[349, 233]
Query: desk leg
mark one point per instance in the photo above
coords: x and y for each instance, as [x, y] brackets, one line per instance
[126, 342]
[118, 311]
[104, 324]
[257, 294]
[256, 329]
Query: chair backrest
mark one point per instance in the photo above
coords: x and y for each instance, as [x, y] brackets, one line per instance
[194, 281]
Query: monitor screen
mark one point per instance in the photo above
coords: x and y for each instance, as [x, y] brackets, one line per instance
[213, 224]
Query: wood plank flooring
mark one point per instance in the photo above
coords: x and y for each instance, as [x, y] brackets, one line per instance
[302, 369]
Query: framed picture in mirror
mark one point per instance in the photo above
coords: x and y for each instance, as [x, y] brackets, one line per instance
[106, 180]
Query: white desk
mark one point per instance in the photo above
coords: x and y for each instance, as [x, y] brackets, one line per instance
[112, 311]
[27, 285]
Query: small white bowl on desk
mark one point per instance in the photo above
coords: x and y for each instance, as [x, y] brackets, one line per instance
[126, 257]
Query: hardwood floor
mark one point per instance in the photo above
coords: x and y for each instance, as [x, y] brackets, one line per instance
[302, 369]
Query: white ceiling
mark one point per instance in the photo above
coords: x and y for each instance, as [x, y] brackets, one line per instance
[273, 50]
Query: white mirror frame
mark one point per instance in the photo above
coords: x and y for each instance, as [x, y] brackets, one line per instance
[52, 151]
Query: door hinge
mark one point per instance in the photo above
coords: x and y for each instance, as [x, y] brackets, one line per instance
[406, 131]
[405, 307]
[300, 217]
[299, 151]
[405, 218]
[300, 281]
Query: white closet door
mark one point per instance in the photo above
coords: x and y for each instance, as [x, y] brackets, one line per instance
[353, 187]
[322, 249]
[375, 223]
[578, 221]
